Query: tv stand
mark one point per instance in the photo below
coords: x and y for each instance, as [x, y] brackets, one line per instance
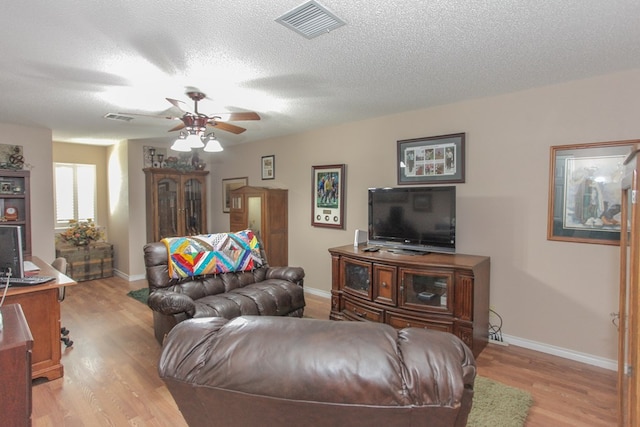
[446, 292]
[407, 252]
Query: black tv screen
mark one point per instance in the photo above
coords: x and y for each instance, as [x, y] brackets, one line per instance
[419, 219]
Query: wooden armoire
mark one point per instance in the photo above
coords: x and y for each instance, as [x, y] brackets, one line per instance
[265, 211]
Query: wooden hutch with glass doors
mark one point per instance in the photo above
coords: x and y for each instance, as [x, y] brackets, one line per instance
[176, 203]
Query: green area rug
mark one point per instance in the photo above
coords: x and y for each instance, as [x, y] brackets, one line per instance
[140, 295]
[496, 404]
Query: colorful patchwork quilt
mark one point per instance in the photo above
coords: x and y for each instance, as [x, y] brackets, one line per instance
[212, 254]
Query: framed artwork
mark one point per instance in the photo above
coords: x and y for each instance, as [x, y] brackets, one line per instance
[228, 185]
[585, 192]
[6, 187]
[327, 200]
[431, 160]
[268, 167]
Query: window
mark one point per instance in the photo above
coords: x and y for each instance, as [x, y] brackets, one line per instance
[75, 192]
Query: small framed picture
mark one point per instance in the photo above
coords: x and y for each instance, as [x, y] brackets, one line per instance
[327, 201]
[6, 187]
[268, 167]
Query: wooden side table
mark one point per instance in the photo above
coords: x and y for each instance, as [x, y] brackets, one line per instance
[16, 344]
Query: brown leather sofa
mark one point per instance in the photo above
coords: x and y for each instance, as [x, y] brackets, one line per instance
[274, 371]
[272, 291]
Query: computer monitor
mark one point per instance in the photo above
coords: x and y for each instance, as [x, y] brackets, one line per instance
[11, 251]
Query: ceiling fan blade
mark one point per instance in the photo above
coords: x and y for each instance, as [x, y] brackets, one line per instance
[240, 116]
[176, 103]
[155, 116]
[226, 126]
[177, 127]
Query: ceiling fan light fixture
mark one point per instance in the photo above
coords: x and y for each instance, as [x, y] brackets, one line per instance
[194, 140]
[213, 145]
[181, 144]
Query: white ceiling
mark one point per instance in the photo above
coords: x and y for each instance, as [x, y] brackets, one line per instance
[65, 64]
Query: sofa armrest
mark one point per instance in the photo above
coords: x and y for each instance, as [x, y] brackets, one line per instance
[167, 302]
[291, 274]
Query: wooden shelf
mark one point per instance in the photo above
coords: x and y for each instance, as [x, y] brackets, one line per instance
[18, 197]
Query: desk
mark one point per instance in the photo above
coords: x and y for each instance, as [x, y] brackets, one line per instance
[16, 343]
[42, 310]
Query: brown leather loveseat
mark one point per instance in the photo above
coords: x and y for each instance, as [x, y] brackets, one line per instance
[275, 371]
[264, 290]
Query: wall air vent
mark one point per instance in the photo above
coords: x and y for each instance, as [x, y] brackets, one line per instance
[310, 20]
[114, 116]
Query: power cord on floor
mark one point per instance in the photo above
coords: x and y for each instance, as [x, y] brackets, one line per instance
[495, 331]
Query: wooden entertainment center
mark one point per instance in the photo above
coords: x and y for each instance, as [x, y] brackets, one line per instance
[447, 292]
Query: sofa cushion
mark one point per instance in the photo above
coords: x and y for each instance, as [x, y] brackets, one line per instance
[271, 297]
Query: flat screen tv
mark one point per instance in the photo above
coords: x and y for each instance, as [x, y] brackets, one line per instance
[413, 219]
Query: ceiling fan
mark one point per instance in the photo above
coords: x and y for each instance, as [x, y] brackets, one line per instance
[197, 122]
[193, 126]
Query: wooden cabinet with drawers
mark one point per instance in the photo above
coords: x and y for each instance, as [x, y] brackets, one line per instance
[447, 292]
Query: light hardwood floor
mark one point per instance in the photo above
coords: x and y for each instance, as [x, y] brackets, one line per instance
[111, 379]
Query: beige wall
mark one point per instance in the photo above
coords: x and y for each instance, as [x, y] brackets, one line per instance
[553, 294]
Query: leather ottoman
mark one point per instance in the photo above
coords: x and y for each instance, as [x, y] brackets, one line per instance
[279, 371]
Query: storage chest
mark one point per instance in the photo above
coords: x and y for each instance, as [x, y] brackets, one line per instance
[92, 261]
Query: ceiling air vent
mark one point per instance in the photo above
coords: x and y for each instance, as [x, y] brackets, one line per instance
[310, 20]
[114, 116]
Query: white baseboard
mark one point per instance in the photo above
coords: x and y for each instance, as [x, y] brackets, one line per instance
[562, 352]
[318, 292]
[565, 353]
[127, 277]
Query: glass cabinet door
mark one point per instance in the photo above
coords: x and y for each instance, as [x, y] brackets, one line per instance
[356, 277]
[193, 207]
[429, 290]
[167, 191]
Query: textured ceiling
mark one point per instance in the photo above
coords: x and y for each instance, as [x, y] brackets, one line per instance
[65, 64]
